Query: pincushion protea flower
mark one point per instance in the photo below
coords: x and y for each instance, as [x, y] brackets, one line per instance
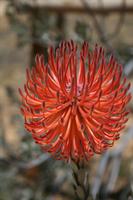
[75, 105]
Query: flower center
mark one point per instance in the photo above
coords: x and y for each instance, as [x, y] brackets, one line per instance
[74, 105]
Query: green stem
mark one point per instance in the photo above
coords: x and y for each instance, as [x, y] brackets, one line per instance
[81, 180]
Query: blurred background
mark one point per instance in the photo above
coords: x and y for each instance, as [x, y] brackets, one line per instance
[28, 27]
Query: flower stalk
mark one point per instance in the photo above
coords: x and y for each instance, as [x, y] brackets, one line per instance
[81, 184]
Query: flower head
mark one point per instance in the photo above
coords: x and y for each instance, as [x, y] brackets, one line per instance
[75, 104]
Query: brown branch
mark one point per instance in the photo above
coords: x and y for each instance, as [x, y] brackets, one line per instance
[101, 32]
[71, 8]
[119, 24]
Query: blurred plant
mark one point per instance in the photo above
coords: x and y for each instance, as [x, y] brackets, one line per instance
[84, 31]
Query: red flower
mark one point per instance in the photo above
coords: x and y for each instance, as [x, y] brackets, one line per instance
[75, 105]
